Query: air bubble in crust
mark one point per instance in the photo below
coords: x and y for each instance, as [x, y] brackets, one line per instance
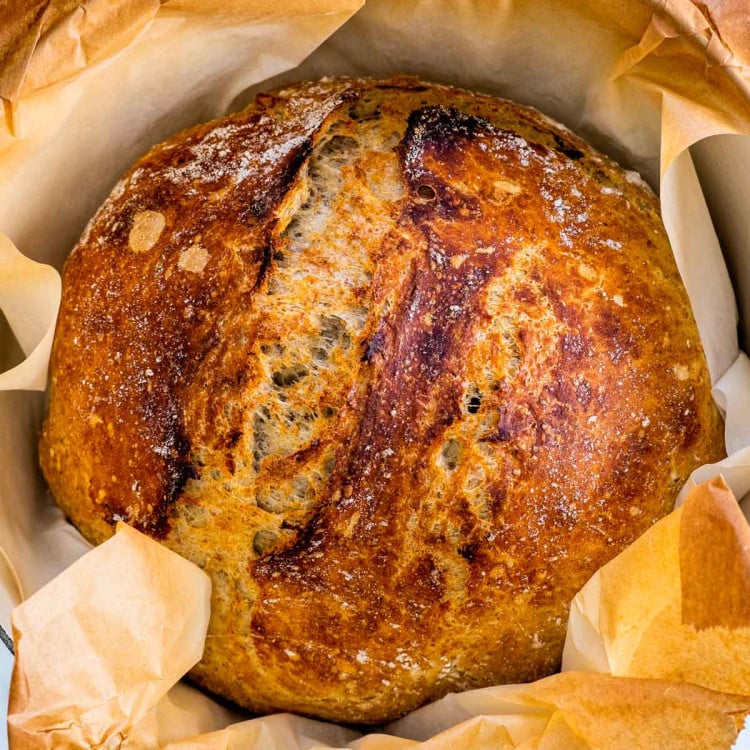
[264, 540]
[450, 454]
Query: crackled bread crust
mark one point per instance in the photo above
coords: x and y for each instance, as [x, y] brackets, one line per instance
[399, 365]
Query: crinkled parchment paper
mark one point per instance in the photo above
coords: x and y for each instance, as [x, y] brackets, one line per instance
[98, 646]
[88, 86]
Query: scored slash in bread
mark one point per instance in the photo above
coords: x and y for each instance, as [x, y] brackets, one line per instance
[399, 365]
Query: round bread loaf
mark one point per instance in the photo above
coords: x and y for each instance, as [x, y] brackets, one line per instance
[398, 365]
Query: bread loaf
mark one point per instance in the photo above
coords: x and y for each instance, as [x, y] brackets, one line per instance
[399, 365]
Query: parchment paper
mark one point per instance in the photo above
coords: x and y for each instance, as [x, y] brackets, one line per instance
[146, 629]
[86, 92]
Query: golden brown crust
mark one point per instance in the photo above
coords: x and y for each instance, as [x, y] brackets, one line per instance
[399, 365]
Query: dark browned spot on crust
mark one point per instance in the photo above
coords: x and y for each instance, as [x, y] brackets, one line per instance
[374, 346]
[567, 148]
[232, 438]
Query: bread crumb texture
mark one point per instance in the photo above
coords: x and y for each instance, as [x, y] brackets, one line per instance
[399, 365]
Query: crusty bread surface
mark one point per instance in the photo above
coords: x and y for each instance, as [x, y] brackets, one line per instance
[398, 365]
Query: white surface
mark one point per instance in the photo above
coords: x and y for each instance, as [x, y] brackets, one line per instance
[6, 663]
[743, 741]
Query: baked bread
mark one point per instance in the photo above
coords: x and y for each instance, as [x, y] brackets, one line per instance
[399, 365]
